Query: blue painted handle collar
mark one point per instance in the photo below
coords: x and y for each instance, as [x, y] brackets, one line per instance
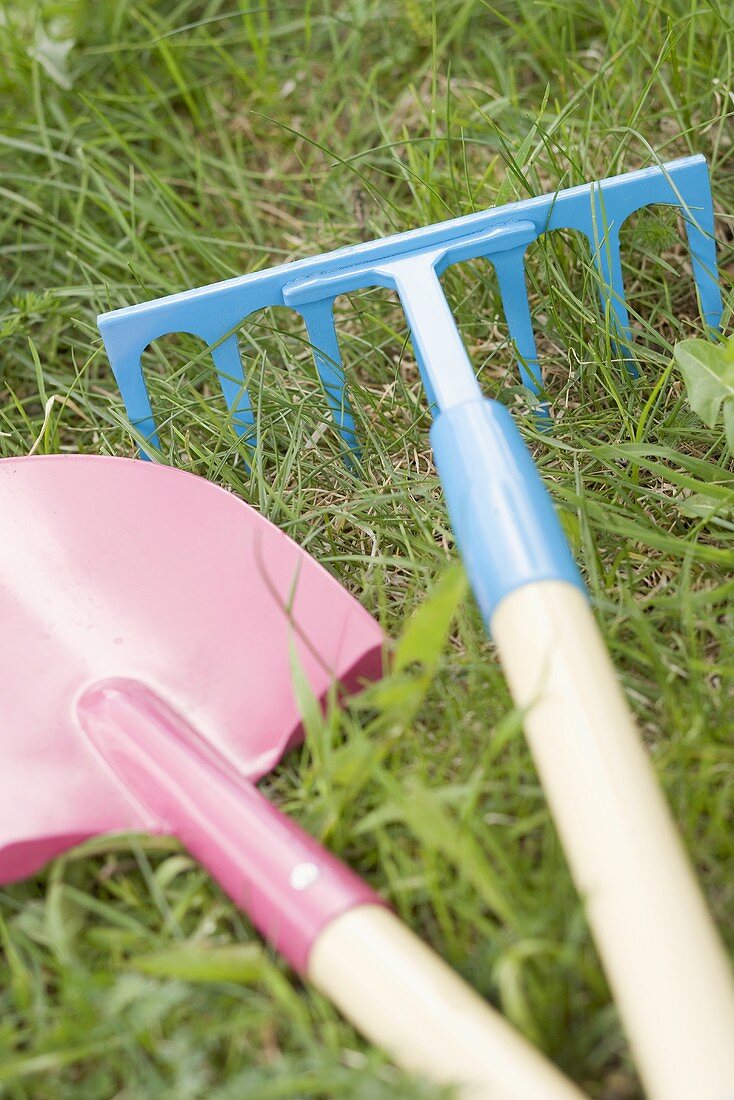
[501, 513]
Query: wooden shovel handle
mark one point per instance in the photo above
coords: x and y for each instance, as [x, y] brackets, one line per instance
[404, 998]
[667, 968]
[311, 907]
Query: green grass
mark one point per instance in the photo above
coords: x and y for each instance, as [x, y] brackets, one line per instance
[175, 144]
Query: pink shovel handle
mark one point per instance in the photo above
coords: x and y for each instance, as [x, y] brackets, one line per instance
[330, 926]
[289, 886]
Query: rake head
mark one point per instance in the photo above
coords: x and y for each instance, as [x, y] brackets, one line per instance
[411, 264]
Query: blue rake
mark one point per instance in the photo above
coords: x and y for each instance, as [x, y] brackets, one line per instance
[665, 964]
[411, 263]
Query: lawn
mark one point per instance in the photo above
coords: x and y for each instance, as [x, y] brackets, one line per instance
[149, 147]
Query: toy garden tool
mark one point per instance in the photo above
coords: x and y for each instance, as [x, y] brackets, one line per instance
[668, 971]
[133, 595]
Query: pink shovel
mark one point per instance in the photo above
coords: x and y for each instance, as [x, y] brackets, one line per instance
[150, 622]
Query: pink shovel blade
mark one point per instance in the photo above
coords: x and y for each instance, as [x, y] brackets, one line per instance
[113, 568]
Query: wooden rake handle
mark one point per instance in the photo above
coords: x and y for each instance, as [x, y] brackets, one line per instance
[667, 968]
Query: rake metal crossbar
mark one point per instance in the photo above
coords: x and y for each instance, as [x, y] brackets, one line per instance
[411, 263]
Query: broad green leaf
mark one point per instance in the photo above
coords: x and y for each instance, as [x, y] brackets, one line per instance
[199, 962]
[425, 635]
[705, 505]
[398, 697]
[708, 372]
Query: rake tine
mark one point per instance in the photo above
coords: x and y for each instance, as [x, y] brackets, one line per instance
[691, 192]
[319, 319]
[702, 244]
[128, 371]
[228, 364]
[606, 257]
[510, 269]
